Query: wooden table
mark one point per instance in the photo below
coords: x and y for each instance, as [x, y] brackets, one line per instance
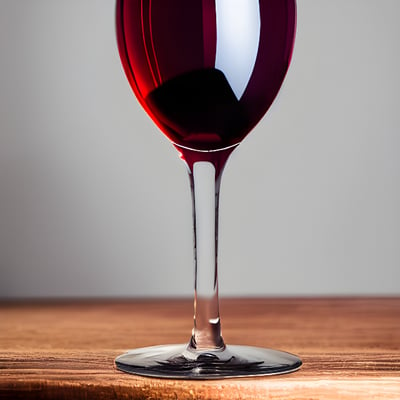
[65, 350]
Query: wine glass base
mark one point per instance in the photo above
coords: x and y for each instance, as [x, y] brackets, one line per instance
[179, 362]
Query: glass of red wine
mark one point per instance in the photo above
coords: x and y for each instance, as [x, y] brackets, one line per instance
[206, 71]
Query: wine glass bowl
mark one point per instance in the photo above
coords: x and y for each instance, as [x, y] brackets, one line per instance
[206, 71]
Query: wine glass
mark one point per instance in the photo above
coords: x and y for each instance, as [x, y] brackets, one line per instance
[206, 71]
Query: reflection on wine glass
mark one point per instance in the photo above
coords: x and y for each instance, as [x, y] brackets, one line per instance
[206, 71]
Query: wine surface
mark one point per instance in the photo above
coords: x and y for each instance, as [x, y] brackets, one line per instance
[206, 71]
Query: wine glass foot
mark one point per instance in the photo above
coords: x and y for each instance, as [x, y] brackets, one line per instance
[179, 362]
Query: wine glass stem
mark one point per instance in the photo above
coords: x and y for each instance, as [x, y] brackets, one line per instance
[205, 185]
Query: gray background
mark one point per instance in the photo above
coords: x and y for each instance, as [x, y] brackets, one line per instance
[94, 201]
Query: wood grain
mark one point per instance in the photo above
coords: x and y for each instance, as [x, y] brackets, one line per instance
[65, 349]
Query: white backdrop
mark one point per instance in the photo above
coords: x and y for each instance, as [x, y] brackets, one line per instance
[95, 202]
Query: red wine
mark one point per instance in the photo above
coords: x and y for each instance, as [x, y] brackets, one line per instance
[206, 71]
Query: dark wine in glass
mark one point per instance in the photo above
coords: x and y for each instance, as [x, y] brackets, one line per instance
[206, 71]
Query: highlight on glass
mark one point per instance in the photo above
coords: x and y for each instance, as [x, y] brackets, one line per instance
[206, 71]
